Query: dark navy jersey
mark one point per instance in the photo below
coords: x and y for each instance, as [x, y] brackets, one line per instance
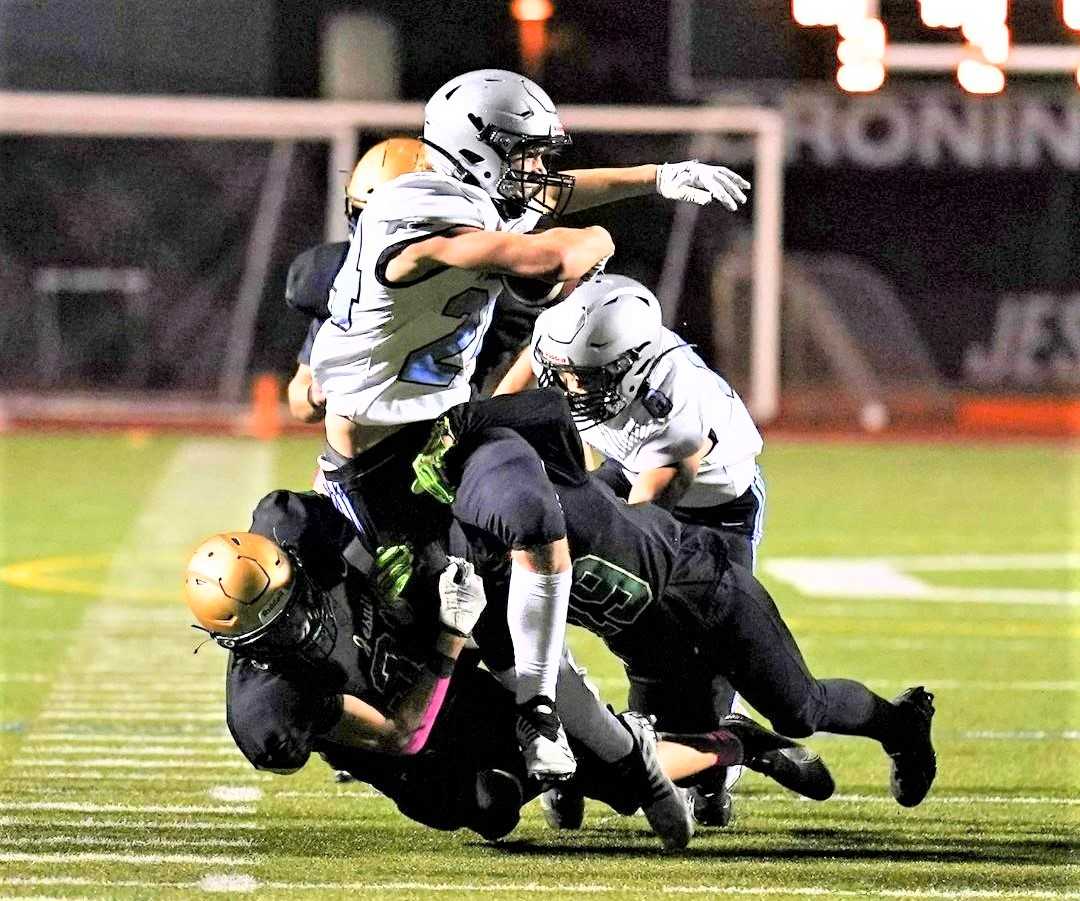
[277, 711]
[311, 274]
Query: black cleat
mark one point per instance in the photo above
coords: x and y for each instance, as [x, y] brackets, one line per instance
[714, 808]
[563, 806]
[914, 763]
[798, 769]
[764, 751]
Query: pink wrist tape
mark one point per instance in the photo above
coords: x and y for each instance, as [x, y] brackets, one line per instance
[427, 718]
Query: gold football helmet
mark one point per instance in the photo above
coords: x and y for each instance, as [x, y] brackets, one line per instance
[382, 163]
[254, 598]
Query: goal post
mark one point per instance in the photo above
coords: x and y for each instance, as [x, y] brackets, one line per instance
[336, 124]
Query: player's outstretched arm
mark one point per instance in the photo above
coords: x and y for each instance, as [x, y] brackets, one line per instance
[690, 181]
[556, 255]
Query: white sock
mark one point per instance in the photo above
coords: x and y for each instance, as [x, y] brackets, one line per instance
[586, 718]
[536, 614]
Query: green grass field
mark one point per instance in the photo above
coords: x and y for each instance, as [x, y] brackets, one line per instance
[898, 564]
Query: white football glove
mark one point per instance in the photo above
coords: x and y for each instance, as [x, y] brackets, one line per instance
[461, 596]
[701, 183]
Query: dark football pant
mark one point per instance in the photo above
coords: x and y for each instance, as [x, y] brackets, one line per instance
[474, 732]
[752, 646]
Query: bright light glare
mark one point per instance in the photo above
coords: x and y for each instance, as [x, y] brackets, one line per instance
[532, 10]
[860, 78]
[977, 77]
[1071, 11]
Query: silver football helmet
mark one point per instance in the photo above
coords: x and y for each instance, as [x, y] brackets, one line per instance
[497, 130]
[599, 346]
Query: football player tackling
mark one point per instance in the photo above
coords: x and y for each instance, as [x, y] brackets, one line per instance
[414, 298]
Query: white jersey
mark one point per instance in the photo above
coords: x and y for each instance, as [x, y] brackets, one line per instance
[391, 354]
[704, 409]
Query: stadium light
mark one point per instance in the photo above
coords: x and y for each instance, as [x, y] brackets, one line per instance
[977, 77]
[1070, 11]
[532, 10]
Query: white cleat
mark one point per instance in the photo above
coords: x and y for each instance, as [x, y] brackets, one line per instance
[543, 741]
[664, 805]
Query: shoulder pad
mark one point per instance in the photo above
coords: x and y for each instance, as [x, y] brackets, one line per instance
[428, 201]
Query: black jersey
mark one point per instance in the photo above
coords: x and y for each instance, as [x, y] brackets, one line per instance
[277, 711]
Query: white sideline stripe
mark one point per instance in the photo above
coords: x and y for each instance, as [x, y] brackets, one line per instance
[111, 857]
[24, 677]
[128, 823]
[237, 882]
[83, 807]
[130, 763]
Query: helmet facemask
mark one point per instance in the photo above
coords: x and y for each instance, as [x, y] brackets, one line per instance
[594, 394]
[528, 181]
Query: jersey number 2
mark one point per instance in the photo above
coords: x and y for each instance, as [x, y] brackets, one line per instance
[440, 361]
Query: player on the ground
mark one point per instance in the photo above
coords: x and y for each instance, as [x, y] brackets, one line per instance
[322, 661]
[415, 297]
[312, 273]
[672, 432]
[660, 593]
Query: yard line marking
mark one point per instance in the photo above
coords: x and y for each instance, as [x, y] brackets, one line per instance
[125, 775]
[133, 717]
[1049, 800]
[220, 882]
[126, 842]
[111, 857]
[1022, 735]
[85, 807]
[235, 793]
[128, 823]
[133, 764]
[150, 751]
[121, 737]
[890, 578]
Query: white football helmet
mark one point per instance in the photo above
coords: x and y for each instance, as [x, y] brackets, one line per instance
[496, 129]
[599, 345]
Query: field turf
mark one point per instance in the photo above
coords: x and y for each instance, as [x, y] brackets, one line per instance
[953, 566]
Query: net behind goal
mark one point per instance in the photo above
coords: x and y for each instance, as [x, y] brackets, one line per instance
[147, 238]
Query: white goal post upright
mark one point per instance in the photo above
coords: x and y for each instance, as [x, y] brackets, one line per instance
[336, 122]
